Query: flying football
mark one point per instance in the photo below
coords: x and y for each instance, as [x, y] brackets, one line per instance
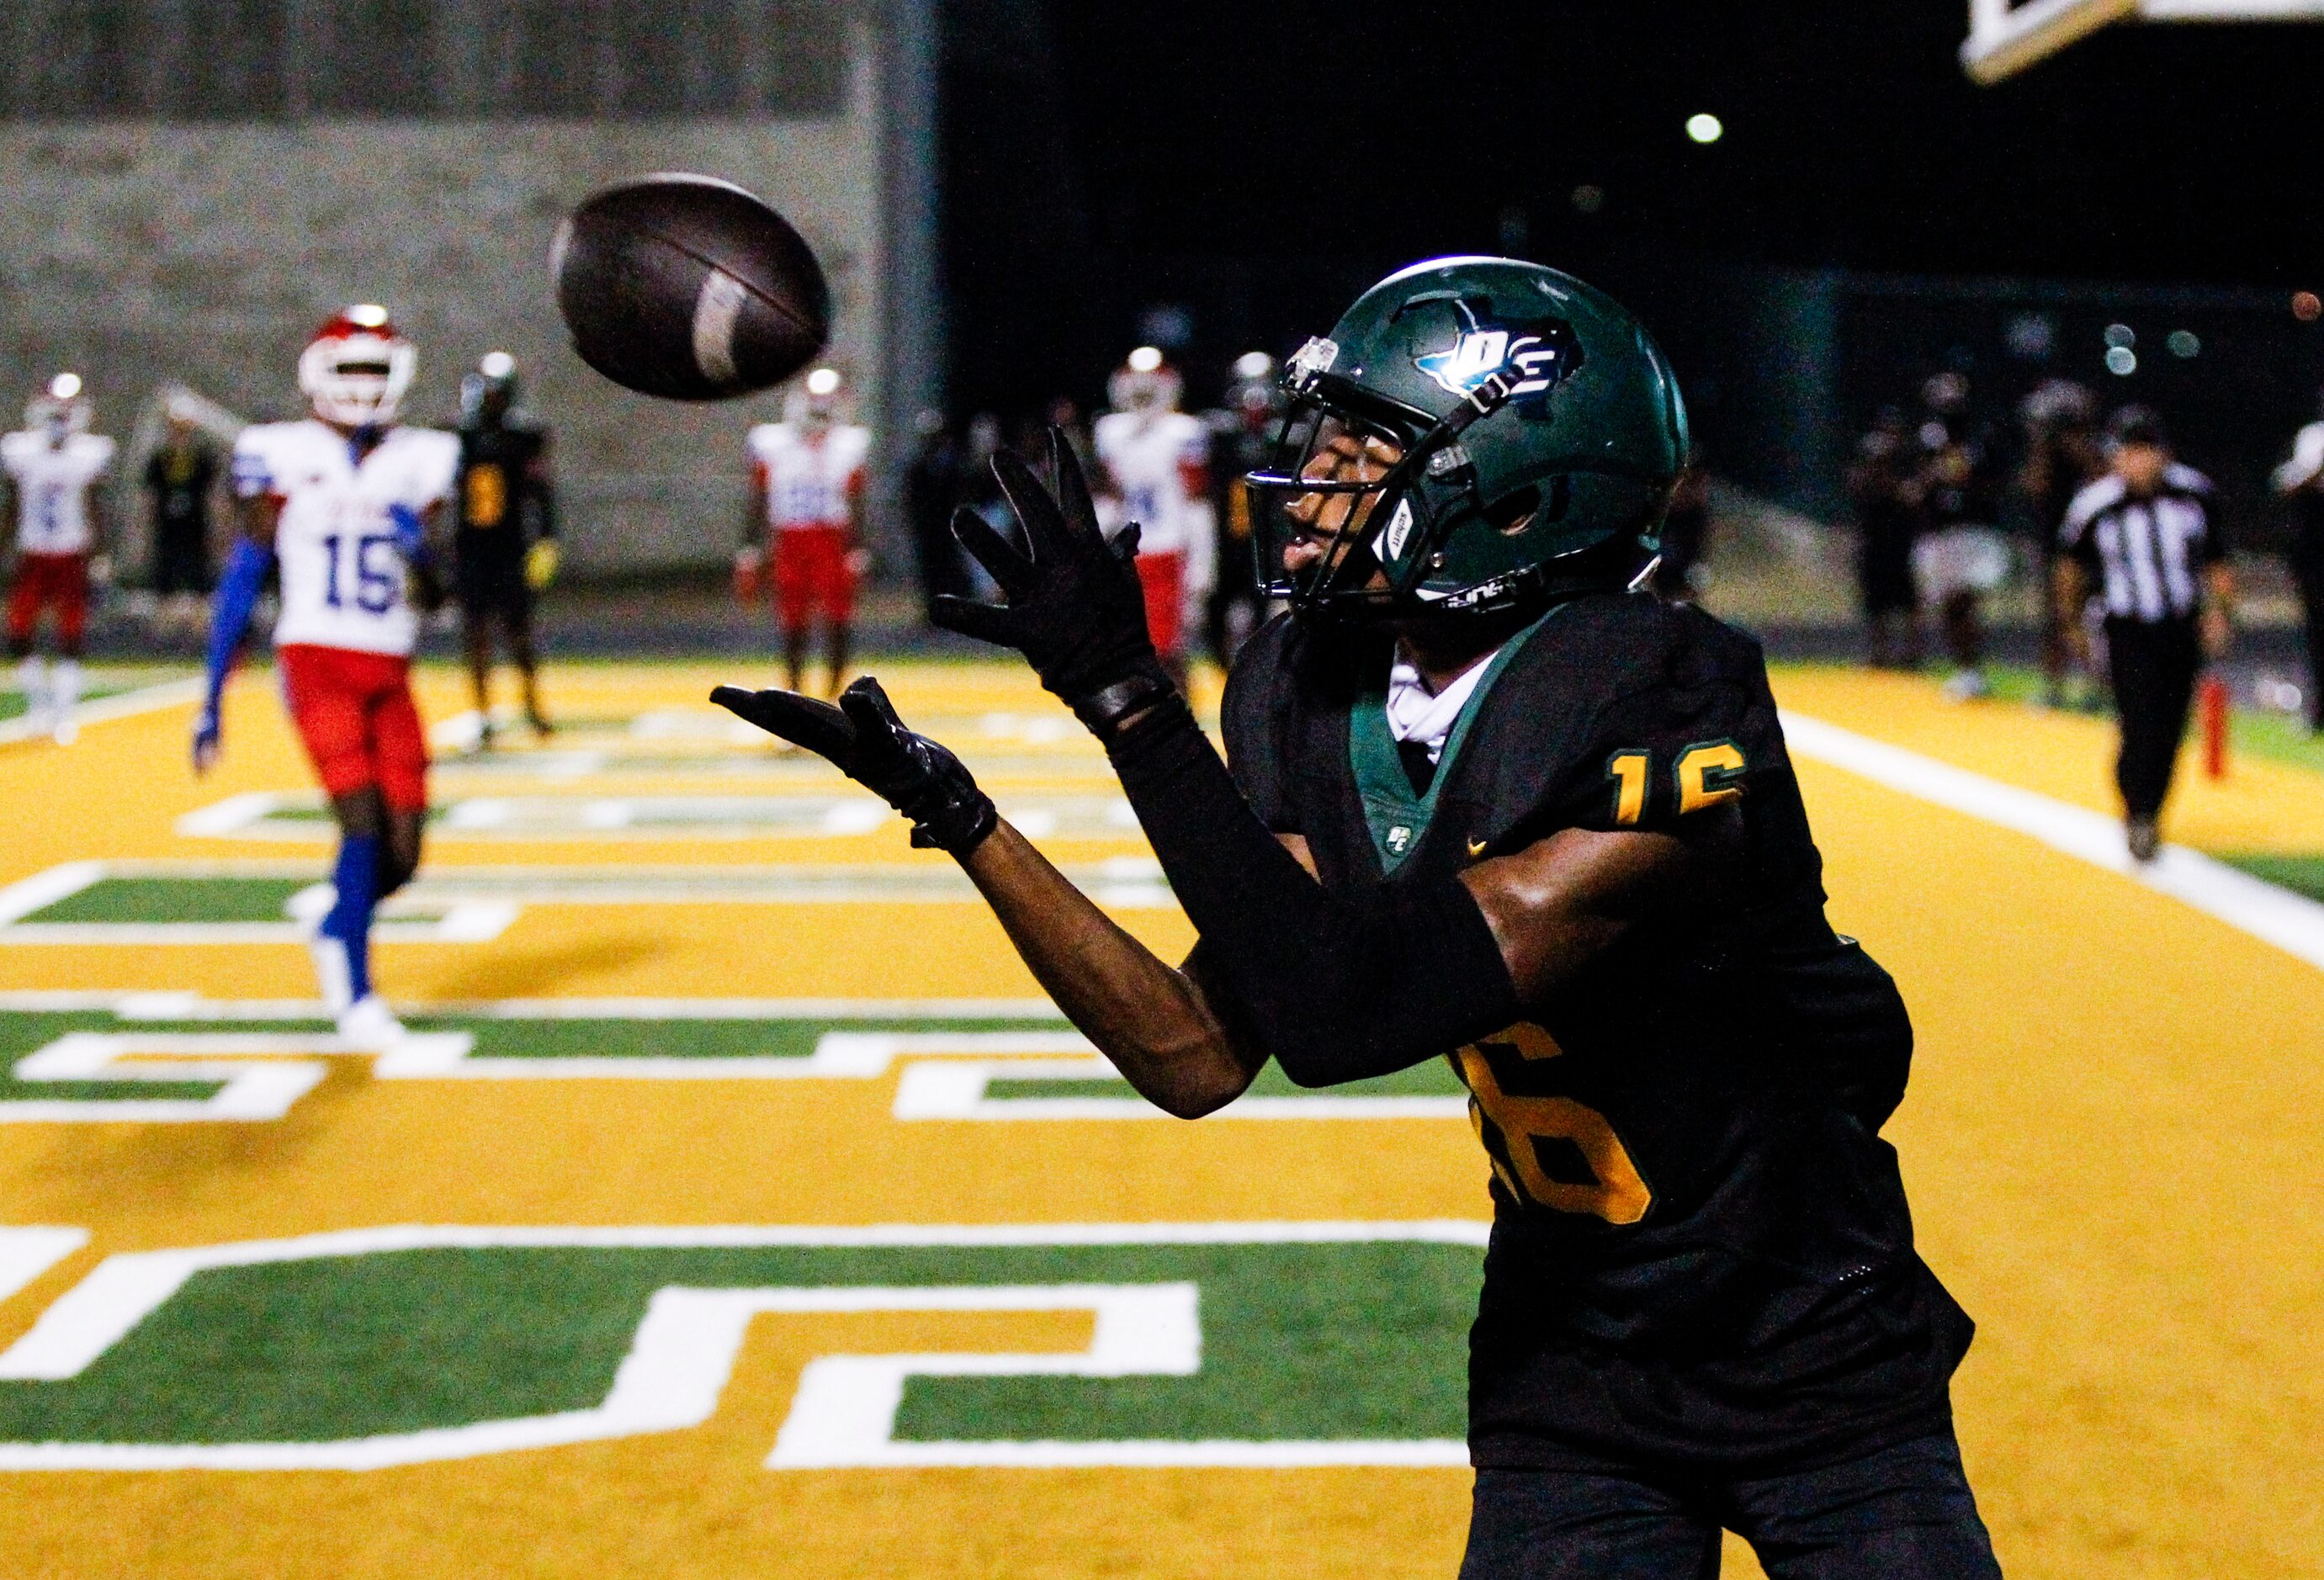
[689, 287]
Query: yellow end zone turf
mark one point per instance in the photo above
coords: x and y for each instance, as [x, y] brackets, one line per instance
[2109, 1140]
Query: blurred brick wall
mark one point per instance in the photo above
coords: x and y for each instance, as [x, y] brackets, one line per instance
[141, 251]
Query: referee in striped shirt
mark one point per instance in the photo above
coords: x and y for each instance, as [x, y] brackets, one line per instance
[2143, 540]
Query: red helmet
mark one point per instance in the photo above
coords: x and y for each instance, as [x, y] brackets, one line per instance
[1145, 381]
[60, 410]
[357, 368]
[817, 402]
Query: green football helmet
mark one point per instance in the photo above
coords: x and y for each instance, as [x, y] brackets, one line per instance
[1521, 434]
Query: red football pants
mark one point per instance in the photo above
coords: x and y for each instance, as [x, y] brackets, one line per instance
[355, 714]
[812, 575]
[1164, 578]
[50, 581]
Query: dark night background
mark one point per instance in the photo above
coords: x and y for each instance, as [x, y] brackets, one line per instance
[1257, 165]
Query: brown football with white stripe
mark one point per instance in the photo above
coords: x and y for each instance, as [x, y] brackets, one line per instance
[689, 287]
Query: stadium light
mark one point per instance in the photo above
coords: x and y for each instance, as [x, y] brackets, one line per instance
[1705, 127]
[2121, 361]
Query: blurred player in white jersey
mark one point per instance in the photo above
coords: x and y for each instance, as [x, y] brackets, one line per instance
[343, 502]
[55, 468]
[807, 479]
[1156, 465]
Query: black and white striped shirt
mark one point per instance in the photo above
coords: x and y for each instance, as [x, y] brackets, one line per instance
[2146, 554]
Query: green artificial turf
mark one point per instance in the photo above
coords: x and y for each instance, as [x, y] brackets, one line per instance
[1327, 1342]
[2301, 874]
[1434, 1078]
[681, 1038]
[176, 899]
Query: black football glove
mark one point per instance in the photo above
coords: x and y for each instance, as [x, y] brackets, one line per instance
[864, 739]
[1073, 606]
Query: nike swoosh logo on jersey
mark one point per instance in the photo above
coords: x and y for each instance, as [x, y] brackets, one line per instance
[1477, 847]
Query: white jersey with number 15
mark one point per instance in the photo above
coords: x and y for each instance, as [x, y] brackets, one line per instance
[342, 572]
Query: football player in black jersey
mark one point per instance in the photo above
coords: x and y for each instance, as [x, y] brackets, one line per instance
[1490, 802]
[505, 544]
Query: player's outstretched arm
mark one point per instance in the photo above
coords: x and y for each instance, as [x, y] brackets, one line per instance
[1335, 988]
[239, 585]
[1155, 1022]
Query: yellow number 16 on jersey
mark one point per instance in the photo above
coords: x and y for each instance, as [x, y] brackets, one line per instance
[1561, 1154]
[1706, 774]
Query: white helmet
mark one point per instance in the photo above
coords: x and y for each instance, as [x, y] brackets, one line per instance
[59, 411]
[1144, 382]
[357, 369]
[815, 401]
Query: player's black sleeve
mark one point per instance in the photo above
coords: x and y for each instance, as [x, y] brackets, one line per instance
[1333, 989]
[1700, 754]
[1833, 1020]
[1250, 718]
[1678, 747]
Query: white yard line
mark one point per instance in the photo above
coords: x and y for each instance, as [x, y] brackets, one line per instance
[193, 1007]
[27, 1253]
[231, 816]
[2292, 923]
[43, 889]
[128, 704]
[287, 1065]
[963, 1090]
[478, 902]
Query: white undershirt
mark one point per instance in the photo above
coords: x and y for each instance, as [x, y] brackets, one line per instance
[1415, 713]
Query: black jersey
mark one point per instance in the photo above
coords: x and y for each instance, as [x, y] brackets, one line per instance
[1701, 1249]
[179, 478]
[502, 500]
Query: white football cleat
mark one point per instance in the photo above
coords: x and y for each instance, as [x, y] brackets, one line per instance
[369, 1027]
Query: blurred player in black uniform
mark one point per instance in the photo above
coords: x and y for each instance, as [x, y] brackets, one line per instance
[180, 476]
[505, 544]
[931, 491]
[2063, 456]
[1490, 804]
[1887, 493]
[1961, 555]
[1242, 435]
